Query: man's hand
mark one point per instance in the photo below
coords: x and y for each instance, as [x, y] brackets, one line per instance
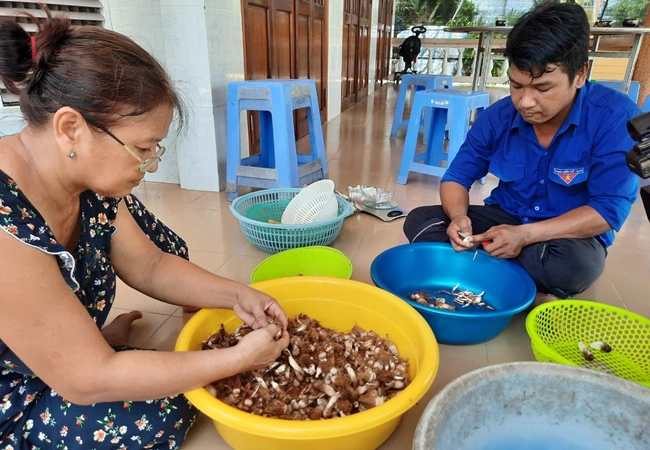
[460, 224]
[507, 241]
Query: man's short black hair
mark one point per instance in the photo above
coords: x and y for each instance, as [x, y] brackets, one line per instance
[556, 34]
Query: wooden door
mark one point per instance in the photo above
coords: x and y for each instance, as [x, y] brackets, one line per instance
[350, 25]
[268, 49]
[356, 51]
[363, 71]
[285, 39]
[384, 36]
[268, 38]
[311, 54]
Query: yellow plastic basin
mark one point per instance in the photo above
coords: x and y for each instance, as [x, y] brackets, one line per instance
[337, 304]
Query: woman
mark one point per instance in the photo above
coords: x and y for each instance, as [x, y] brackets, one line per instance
[96, 107]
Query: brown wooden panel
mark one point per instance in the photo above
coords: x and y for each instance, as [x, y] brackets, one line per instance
[303, 61]
[257, 43]
[352, 59]
[302, 47]
[384, 34]
[356, 51]
[317, 63]
[286, 39]
[363, 58]
[282, 51]
[318, 68]
[345, 69]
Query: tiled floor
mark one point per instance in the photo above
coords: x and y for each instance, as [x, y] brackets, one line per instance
[359, 152]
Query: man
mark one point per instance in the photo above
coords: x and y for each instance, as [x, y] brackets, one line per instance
[557, 145]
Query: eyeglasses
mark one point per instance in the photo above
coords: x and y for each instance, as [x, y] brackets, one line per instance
[145, 164]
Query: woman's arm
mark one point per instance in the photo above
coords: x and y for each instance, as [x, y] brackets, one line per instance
[144, 267]
[46, 326]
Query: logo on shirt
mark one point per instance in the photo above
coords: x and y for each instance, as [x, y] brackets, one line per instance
[567, 175]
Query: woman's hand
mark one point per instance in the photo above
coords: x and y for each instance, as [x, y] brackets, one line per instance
[255, 308]
[260, 348]
[460, 224]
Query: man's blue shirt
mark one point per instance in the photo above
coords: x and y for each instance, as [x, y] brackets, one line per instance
[583, 165]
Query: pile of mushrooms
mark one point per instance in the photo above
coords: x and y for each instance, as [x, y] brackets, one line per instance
[322, 374]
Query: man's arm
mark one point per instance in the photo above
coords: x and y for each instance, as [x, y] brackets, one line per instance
[470, 164]
[455, 203]
[508, 240]
[455, 199]
[579, 223]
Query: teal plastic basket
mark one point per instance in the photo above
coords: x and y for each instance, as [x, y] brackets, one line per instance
[254, 211]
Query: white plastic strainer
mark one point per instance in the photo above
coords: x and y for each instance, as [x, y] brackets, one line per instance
[312, 202]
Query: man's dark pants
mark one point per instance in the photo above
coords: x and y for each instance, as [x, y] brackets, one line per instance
[562, 267]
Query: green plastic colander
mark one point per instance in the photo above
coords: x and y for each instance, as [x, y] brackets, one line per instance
[555, 328]
[307, 261]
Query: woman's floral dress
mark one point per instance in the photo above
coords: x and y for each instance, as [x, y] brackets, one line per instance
[33, 416]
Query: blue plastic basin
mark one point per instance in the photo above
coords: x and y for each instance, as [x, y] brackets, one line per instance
[432, 266]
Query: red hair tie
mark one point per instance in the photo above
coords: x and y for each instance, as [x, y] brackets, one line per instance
[33, 39]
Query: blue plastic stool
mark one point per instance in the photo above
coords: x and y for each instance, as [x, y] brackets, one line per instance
[278, 164]
[419, 83]
[448, 106]
[632, 92]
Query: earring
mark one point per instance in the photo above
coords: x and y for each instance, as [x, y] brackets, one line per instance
[72, 154]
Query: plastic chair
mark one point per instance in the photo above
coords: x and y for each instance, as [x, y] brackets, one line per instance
[278, 165]
[448, 106]
[632, 92]
[419, 83]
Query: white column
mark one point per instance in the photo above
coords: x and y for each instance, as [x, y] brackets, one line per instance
[374, 34]
[200, 43]
[141, 20]
[186, 55]
[334, 58]
[226, 54]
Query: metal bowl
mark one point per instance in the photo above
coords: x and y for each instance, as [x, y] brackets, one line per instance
[530, 405]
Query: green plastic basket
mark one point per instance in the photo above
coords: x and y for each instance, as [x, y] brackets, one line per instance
[316, 260]
[255, 210]
[555, 328]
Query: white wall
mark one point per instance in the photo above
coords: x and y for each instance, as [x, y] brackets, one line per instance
[334, 58]
[186, 56]
[141, 20]
[200, 43]
[226, 59]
